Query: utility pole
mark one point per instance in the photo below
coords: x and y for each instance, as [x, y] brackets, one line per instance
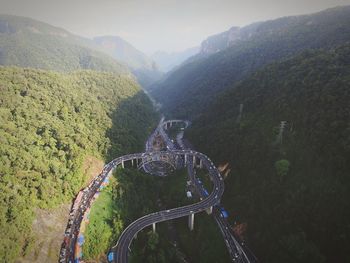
[240, 113]
[280, 134]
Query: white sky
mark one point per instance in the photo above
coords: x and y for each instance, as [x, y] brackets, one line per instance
[151, 25]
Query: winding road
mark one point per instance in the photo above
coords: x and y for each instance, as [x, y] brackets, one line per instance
[125, 239]
[71, 250]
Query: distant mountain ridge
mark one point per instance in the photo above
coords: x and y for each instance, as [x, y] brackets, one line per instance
[143, 67]
[220, 41]
[234, 35]
[168, 61]
[125, 52]
[26, 42]
[187, 90]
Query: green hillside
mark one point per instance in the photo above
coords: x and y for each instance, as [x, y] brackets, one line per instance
[49, 123]
[292, 188]
[26, 42]
[187, 91]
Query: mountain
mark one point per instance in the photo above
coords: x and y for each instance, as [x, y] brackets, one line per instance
[220, 41]
[168, 61]
[228, 38]
[72, 118]
[188, 90]
[144, 68]
[125, 52]
[29, 43]
[285, 133]
[80, 101]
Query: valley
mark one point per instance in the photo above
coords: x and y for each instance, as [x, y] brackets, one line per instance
[172, 132]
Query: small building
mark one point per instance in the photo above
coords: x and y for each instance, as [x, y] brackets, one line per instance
[189, 194]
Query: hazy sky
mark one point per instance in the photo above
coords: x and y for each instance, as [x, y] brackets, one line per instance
[152, 25]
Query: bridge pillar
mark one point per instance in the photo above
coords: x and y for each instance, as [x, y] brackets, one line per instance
[209, 210]
[122, 164]
[154, 227]
[200, 163]
[191, 221]
[137, 162]
[177, 162]
[132, 162]
[185, 160]
[194, 161]
[171, 124]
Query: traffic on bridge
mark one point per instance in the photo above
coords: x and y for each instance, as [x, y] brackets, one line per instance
[178, 157]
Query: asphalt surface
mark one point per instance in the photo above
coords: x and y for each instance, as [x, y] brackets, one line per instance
[125, 239]
[121, 249]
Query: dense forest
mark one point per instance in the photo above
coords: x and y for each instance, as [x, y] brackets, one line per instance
[188, 90]
[49, 123]
[285, 133]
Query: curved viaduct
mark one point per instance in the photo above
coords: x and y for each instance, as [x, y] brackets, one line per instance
[125, 239]
[179, 158]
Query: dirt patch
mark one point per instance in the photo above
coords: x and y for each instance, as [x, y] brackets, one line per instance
[48, 228]
[91, 168]
[224, 169]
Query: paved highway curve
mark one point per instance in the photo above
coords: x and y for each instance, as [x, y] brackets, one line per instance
[85, 198]
[238, 251]
[125, 239]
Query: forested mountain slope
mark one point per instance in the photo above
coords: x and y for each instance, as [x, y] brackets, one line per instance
[290, 186]
[26, 42]
[188, 90]
[49, 123]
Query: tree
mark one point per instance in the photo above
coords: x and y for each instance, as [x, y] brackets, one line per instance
[282, 168]
[153, 240]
